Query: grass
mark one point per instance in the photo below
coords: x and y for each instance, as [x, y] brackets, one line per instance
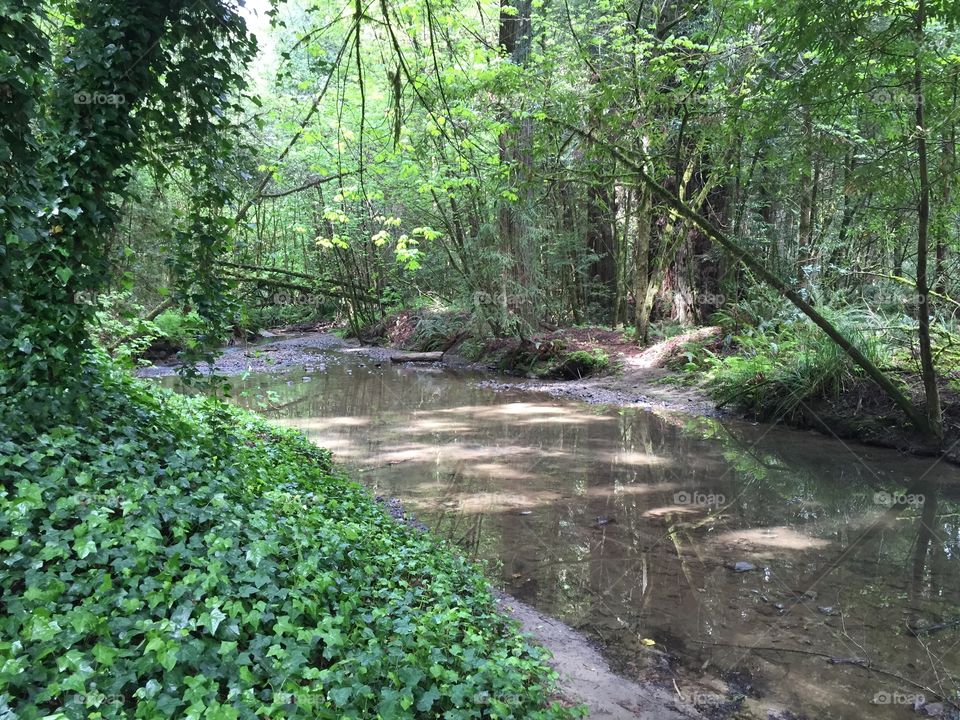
[771, 370]
[164, 556]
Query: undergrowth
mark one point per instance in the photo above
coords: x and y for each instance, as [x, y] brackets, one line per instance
[164, 556]
[772, 369]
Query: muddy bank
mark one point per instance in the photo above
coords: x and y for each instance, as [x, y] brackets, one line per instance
[275, 353]
[646, 390]
[586, 678]
[636, 384]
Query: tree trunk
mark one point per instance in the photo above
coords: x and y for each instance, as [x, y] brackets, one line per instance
[600, 240]
[805, 224]
[927, 369]
[516, 146]
[948, 164]
[919, 420]
[641, 264]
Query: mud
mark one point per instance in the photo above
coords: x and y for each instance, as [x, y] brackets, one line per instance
[586, 678]
[638, 383]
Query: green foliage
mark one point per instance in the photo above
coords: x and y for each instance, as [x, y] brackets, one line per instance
[118, 325]
[437, 330]
[176, 557]
[579, 364]
[271, 316]
[772, 370]
[183, 330]
[80, 107]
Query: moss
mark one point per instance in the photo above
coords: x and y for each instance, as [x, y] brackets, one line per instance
[578, 364]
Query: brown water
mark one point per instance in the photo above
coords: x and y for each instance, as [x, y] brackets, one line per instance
[626, 523]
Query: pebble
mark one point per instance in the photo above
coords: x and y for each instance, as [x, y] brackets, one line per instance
[742, 566]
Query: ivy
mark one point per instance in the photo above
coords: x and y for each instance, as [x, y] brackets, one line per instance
[78, 112]
[175, 557]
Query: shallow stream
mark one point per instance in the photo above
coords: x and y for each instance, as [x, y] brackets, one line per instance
[780, 561]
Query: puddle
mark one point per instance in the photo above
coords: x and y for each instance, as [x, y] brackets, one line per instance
[750, 552]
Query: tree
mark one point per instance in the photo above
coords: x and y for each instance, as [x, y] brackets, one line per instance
[77, 115]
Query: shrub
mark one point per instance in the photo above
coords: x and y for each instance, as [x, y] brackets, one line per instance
[270, 316]
[181, 329]
[164, 556]
[771, 370]
[579, 364]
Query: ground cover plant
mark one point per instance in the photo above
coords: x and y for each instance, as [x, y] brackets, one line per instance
[169, 556]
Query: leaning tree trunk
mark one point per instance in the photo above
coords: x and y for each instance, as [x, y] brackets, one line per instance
[918, 418]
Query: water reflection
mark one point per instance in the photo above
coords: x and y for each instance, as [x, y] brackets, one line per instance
[742, 549]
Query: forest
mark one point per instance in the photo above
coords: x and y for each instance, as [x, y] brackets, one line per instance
[739, 208]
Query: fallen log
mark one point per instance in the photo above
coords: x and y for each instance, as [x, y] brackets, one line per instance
[436, 356]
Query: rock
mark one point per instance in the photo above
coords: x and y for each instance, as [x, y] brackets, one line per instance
[932, 709]
[742, 566]
[603, 520]
[826, 609]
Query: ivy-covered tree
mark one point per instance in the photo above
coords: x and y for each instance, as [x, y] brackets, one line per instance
[89, 90]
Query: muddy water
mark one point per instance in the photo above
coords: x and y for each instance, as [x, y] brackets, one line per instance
[632, 526]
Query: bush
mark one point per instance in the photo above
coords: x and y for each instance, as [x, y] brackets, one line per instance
[164, 556]
[270, 316]
[119, 326]
[771, 370]
[579, 364]
[180, 329]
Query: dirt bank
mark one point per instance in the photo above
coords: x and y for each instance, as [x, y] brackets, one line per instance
[275, 353]
[585, 677]
[639, 382]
